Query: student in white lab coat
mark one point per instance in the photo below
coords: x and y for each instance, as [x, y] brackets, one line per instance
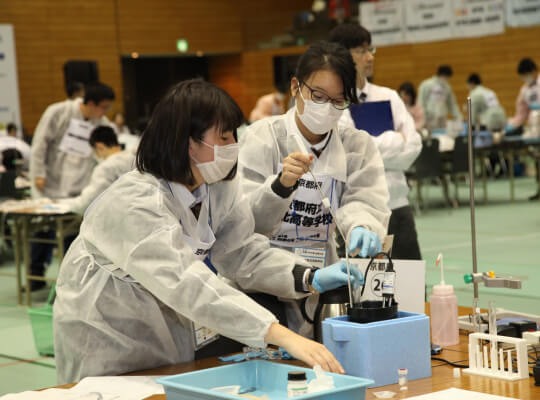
[61, 161]
[399, 147]
[11, 142]
[284, 197]
[136, 289]
[486, 111]
[528, 98]
[113, 162]
[438, 100]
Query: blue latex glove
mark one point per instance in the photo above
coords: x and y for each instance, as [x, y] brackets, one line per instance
[334, 276]
[509, 128]
[367, 242]
[534, 106]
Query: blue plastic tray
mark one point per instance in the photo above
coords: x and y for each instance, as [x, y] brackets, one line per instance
[267, 377]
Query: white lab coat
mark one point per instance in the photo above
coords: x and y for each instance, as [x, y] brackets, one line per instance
[11, 142]
[438, 100]
[130, 284]
[397, 154]
[350, 158]
[66, 174]
[486, 109]
[103, 176]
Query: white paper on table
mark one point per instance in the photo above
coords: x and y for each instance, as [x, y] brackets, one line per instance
[455, 393]
[98, 388]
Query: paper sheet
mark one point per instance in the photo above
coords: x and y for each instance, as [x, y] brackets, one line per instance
[455, 393]
[98, 388]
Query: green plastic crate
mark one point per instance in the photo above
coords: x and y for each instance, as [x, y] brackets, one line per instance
[41, 319]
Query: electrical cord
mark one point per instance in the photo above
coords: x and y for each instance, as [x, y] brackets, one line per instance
[449, 362]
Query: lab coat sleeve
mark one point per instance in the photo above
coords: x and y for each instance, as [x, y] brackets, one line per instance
[522, 111]
[247, 258]
[423, 95]
[364, 201]
[43, 135]
[453, 106]
[257, 167]
[477, 107]
[399, 148]
[99, 181]
[165, 265]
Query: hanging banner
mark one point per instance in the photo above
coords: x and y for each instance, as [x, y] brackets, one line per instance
[9, 87]
[522, 12]
[385, 21]
[478, 17]
[428, 20]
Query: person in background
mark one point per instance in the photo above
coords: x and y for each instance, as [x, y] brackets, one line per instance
[274, 103]
[284, 198]
[11, 142]
[407, 93]
[486, 112]
[398, 147]
[139, 284]
[125, 137]
[437, 99]
[75, 90]
[113, 162]
[528, 98]
[61, 161]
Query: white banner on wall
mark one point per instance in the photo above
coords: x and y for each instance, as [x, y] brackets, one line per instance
[9, 88]
[522, 12]
[385, 21]
[428, 20]
[478, 17]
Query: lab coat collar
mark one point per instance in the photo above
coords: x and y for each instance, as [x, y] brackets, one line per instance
[333, 160]
[187, 198]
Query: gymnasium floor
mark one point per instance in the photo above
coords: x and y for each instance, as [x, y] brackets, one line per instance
[508, 236]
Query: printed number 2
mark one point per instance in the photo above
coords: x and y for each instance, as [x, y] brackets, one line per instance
[377, 285]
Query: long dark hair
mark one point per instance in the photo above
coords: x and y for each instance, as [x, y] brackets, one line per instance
[188, 110]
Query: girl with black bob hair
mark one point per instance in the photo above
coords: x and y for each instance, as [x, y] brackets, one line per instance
[346, 164]
[164, 152]
[140, 282]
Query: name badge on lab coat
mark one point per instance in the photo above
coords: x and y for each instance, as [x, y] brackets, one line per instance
[75, 140]
[307, 224]
[202, 335]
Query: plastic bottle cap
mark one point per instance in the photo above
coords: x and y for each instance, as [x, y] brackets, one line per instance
[297, 376]
[442, 290]
[468, 278]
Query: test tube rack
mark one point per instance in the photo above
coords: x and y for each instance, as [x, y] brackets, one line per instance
[491, 363]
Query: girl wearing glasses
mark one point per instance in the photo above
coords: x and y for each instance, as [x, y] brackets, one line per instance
[345, 162]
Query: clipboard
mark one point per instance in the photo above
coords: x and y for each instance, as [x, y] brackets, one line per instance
[374, 117]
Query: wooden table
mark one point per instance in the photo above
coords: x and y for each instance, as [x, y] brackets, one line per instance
[442, 375]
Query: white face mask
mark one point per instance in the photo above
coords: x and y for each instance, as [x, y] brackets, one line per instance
[225, 157]
[318, 118]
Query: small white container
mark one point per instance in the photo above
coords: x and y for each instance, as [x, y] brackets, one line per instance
[296, 384]
[402, 378]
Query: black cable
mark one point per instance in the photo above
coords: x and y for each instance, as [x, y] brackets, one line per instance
[449, 362]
